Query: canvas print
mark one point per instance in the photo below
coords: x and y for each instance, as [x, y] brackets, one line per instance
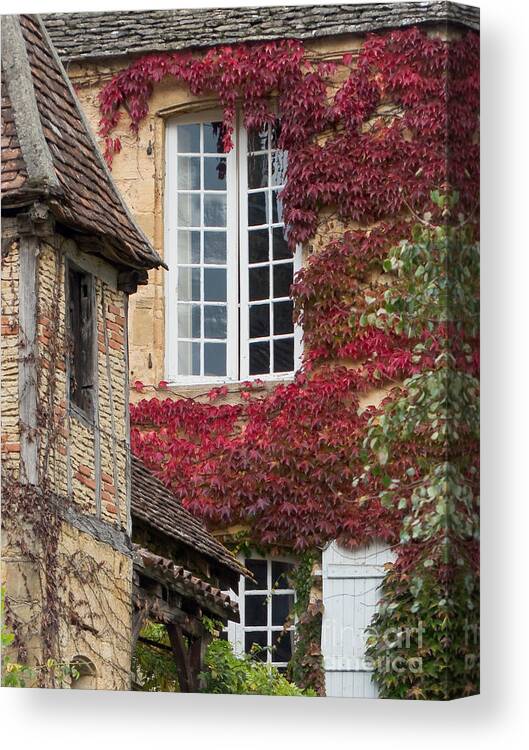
[240, 358]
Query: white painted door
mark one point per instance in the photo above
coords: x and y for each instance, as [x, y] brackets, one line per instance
[351, 591]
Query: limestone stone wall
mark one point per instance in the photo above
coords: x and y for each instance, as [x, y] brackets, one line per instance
[97, 589]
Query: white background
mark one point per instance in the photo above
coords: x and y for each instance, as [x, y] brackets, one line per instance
[499, 717]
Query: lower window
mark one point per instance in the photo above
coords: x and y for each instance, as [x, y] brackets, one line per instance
[264, 608]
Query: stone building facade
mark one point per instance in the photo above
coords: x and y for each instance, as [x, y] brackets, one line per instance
[142, 166]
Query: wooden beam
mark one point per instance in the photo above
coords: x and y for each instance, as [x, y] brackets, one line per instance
[27, 365]
[160, 611]
[138, 618]
[181, 658]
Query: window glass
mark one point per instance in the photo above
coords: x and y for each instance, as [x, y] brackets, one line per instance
[265, 609]
[201, 251]
[271, 280]
[218, 308]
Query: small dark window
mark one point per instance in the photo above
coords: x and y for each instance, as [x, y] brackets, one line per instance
[82, 331]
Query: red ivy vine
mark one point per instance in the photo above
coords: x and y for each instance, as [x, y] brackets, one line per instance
[402, 120]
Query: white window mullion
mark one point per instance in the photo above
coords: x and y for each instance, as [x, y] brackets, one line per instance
[244, 316]
[171, 276]
[233, 263]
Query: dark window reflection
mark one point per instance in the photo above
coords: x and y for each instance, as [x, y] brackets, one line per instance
[257, 209]
[280, 244]
[281, 606]
[259, 321]
[255, 610]
[284, 355]
[258, 246]
[281, 646]
[260, 358]
[283, 277]
[259, 281]
[277, 208]
[257, 171]
[283, 317]
[280, 571]
[258, 140]
[258, 569]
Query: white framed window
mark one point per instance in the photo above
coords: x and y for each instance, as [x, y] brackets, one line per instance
[228, 309]
[264, 608]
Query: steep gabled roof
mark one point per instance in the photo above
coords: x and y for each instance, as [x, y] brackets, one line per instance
[101, 35]
[154, 504]
[50, 152]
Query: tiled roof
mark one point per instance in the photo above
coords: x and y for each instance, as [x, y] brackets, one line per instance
[56, 157]
[184, 582]
[154, 504]
[14, 172]
[100, 35]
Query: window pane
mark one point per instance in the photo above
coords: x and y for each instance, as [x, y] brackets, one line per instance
[260, 358]
[215, 247]
[214, 173]
[255, 610]
[256, 639]
[284, 355]
[257, 171]
[257, 209]
[259, 281]
[215, 284]
[280, 245]
[189, 173]
[215, 321]
[283, 278]
[283, 321]
[188, 138]
[259, 321]
[258, 246]
[214, 210]
[279, 167]
[258, 140]
[214, 359]
[280, 571]
[188, 358]
[189, 321]
[188, 247]
[188, 210]
[277, 207]
[213, 138]
[281, 646]
[258, 569]
[275, 132]
[188, 284]
[281, 606]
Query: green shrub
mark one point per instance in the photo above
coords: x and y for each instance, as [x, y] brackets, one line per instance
[228, 674]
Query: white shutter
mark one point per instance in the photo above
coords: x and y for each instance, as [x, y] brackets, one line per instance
[351, 591]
